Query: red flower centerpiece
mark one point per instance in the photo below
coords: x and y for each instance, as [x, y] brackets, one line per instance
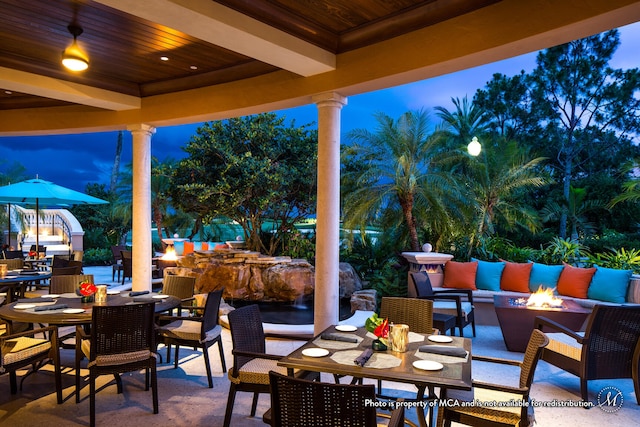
[32, 254]
[380, 328]
[87, 291]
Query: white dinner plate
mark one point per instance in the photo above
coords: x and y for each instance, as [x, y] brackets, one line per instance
[439, 338]
[73, 310]
[427, 365]
[10, 277]
[346, 328]
[113, 292]
[23, 306]
[50, 296]
[315, 352]
[160, 296]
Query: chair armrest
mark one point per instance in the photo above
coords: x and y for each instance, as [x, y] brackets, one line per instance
[53, 329]
[499, 387]
[256, 355]
[456, 298]
[542, 321]
[466, 292]
[81, 334]
[491, 359]
[397, 415]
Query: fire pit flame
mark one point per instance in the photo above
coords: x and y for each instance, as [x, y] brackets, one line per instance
[170, 254]
[544, 298]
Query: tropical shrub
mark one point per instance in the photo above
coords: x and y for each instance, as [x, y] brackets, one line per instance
[97, 256]
[620, 259]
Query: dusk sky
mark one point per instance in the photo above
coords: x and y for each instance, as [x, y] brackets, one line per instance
[75, 160]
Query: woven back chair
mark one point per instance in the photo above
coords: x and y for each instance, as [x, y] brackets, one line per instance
[296, 402]
[180, 287]
[417, 313]
[68, 283]
[609, 348]
[61, 260]
[197, 332]
[66, 271]
[475, 415]
[12, 254]
[456, 302]
[116, 265]
[251, 363]
[122, 339]
[127, 265]
[22, 350]
[13, 263]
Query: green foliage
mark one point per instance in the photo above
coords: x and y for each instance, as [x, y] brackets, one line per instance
[564, 250]
[366, 255]
[390, 280]
[300, 245]
[250, 169]
[97, 256]
[496, 248]
[621, 259]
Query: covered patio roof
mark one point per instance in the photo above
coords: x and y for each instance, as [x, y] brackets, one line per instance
[233, 57]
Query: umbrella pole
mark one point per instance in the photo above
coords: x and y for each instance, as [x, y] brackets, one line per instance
[37, 229]
[9, 225]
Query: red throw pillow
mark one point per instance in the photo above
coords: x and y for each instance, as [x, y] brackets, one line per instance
[205, 246]
[515, 276]
[575, 281]
[188, 248]
[460, 275]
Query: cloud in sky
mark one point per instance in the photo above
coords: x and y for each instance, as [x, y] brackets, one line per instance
[75, 160]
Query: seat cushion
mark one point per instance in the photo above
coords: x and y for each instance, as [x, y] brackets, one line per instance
[188, 330]
[564, 344]
[449, 307]
[256, 371]
[22, 348]
[509, 415]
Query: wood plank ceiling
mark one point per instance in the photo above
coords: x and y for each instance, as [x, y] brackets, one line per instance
[125, 50]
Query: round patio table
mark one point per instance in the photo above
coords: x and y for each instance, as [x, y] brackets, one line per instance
[66, 317]
[16, 281]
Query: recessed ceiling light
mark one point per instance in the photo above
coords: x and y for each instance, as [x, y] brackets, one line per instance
[8, 92]
[194, 67]
[164, 58]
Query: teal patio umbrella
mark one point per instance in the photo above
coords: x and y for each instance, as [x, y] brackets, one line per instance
[38, 192]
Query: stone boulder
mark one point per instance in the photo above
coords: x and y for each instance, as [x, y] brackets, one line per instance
[349, 280]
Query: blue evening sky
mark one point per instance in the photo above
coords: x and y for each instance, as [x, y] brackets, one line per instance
[75, 160]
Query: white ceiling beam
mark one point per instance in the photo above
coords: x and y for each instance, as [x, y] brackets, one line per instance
[34, 84]
[227, 28]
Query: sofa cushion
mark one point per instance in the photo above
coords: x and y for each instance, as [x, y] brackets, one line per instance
[574, 281]
[488, 275]
[610, 285]
[188, 248]
[544, 275]
[179, 247]
[515, 276]
[460, 275]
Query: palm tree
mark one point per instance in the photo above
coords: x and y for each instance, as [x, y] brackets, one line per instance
[498, 183]
[465, 122]
[575, 208]
[399, 168]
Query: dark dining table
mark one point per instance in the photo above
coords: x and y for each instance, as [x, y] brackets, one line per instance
[17, 280]
[76, 312]
[425, 370]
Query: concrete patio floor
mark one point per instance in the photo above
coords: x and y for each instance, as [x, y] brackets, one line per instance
[185, 399]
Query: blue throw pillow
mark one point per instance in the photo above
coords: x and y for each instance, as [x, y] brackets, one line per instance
[609, 284]
[197, 246]
[179, 247]
[488, 275]
[544, 275]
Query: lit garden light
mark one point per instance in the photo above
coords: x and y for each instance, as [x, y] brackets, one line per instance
[474, 147]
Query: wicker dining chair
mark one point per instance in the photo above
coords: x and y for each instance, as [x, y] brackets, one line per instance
[296, 402]
[21, 350]
[251, 363]
[457, 302]
[68, 283]
[122, 339]
[461, 411]
[13, 263]
[609, 348]
[180, 287]
[197, 332]
[127, 265]
[417, 313]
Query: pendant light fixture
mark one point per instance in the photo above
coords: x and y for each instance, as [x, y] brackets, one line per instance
[74, 58]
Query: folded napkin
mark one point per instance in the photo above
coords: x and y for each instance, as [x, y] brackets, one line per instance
[35, 300]
[29, 273]
[137, 293]
[446, 351]
[364, 357]
[142, 299]
[335, 337]
[50, 307]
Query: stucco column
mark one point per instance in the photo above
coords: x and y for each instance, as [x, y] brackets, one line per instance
[141, 222]
[326, 295]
